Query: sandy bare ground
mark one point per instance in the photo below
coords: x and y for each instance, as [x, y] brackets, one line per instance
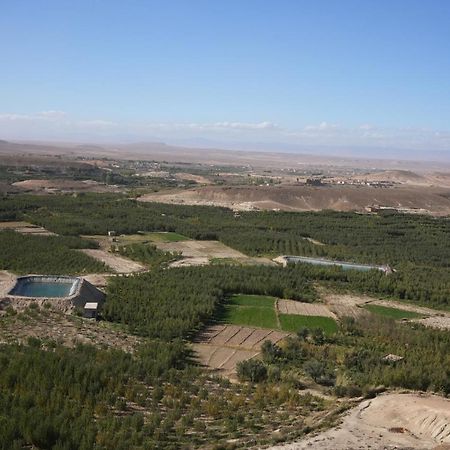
[7, 282]
[408, 307]
[390, 421]
[434, 318]
[443, 323]
[348, 311]
[191, 177]
[118, 264]
[222, 359]
[352, 306]
[199, 253]
[187, 262]
[221, 347]
[411, 178]
[54, 185]
[304, 309]
[99, 280]
[199, 249]
[25, 228]
[346, 305]
[307, 198]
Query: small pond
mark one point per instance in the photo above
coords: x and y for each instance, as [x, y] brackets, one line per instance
[45, 286]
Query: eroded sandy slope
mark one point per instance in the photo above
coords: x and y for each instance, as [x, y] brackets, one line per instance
[415, 421]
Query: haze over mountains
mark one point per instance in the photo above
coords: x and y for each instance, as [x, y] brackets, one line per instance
[291, 157]
[349, 151]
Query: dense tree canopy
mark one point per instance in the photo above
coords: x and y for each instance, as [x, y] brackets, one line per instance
[57, 398]
[417, 246]
[46, 254]
[173, 303]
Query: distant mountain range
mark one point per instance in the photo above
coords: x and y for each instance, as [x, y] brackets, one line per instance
[253, 154]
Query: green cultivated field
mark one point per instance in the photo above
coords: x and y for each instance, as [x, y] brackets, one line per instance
[252, 316]
[261, 301]
[393, 313]
[259, 311]
[293, 323]
[165, 237]
[251, 310]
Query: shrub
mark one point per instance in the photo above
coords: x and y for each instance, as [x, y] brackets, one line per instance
[252, 370]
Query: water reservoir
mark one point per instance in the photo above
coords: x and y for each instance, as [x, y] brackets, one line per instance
[45, 286]
[328, 262]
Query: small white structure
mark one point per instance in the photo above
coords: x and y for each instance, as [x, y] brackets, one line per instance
[392, 358]
[90, 310]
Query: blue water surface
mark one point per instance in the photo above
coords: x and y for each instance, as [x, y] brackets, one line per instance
[29, 288]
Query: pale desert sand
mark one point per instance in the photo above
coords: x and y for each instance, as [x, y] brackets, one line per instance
[390, 421]
[118, 264]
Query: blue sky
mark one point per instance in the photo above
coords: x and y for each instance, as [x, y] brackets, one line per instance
[336, 72]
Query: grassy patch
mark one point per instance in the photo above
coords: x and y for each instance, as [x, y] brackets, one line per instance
[252, 316]
[165, 237]
[293, 322]
[261, 301]
[142, 238]
[393, 313]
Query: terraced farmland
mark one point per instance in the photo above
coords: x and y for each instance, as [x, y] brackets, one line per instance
[221, 347]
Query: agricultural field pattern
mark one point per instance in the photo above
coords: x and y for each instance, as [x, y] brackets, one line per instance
[208, 337]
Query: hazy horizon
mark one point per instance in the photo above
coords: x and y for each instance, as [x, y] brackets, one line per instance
[348, 78]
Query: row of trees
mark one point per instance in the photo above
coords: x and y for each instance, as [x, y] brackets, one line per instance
[176, 302]
[46, 254]
[417, 246]
[147, 254]
[84, 398]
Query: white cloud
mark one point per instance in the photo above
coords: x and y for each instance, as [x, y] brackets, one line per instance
[214, 126]
[323, 126]
[42, 115]
[97, 123]
[247, 125]
[53, 124]
[11, 117]
[52, 114]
